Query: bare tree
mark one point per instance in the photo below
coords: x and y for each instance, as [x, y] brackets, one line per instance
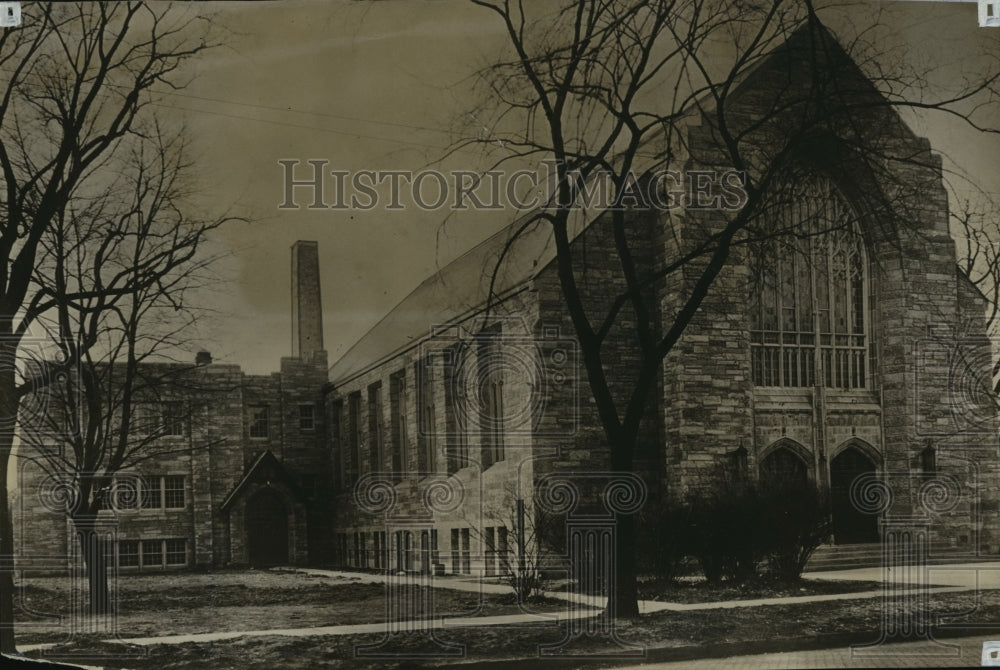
[977, 229]
[617, 89]
[113, 288]
[79, 80]
[519, 543]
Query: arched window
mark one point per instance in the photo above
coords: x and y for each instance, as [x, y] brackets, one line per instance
[809, 293]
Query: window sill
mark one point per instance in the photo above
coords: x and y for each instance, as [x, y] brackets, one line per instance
[802, 397]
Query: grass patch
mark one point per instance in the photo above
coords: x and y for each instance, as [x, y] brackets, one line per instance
[664, 630]
[178, 604]
[701, 591]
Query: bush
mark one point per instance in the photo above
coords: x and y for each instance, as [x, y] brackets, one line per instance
[663, 541]
[725, 533]
[735, 529]
[797, 522]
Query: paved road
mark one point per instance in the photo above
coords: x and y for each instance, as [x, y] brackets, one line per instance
[953, 653]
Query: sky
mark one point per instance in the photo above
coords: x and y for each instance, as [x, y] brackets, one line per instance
[389, 85]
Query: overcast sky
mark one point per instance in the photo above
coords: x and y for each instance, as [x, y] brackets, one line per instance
[386, 86]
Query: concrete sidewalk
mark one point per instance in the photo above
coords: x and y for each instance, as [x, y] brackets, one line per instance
[947, 579]
[985, 575]
[946, 653]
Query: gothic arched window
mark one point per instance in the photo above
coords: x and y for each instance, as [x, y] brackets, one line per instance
[809, 300]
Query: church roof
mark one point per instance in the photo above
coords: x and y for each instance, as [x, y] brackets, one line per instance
[456, 291]
[461, 288]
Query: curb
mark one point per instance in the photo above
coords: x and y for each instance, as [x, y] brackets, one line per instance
[720, 650]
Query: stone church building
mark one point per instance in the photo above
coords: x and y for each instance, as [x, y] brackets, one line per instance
[853, 356]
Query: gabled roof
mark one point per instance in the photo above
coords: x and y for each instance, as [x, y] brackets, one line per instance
[266, 468]
[461, 288]
[454, 292]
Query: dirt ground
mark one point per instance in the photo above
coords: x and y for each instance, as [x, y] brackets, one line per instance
[663, 630]
[262, 600]
[188, 603]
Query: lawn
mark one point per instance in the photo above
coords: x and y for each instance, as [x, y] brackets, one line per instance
[674, 630]
[189, 603]
[257, 601]
[699, 590]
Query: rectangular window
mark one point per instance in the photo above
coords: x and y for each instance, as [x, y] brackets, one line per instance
[377, 540]
[397, 409]
[408, 551]
[173, 491]
[357, 551]
[491, 414]
[375, 427]
[489, 551]
[928, 462]
[455, 410]
[307, 418]
[337, 442]
[353, 435]
[151, 493]
[126, 492]
[259, 422]
[174, 418]
[456, 561]
[103, 492]
[342, 553]
[128, 553]
[502, 550]
[143, 420]
[425, 414]
[152, 553]
[466, 553]
[176, 552]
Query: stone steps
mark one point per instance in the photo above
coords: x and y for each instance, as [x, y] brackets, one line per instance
[848, 556]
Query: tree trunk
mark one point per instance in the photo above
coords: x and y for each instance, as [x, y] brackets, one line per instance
[6, 550]
[8, 419]
[623, 599]
[93, 546]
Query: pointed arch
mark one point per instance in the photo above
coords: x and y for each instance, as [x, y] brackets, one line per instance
[864, 447]
[785, 460]
[810, 288]
[853, 464]
[786, 443]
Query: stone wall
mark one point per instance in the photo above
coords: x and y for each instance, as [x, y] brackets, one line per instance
[922, 319]
[212, 455]
[424, 496]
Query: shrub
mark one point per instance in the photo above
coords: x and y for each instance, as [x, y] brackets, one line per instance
[725, 532]
[663, 539]
[734, 529]
[797, 521]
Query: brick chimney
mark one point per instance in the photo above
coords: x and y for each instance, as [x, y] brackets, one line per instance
[307, 306]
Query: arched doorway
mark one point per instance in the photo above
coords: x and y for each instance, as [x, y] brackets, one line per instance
[850, 525]
[267, 529]
[783, 466]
